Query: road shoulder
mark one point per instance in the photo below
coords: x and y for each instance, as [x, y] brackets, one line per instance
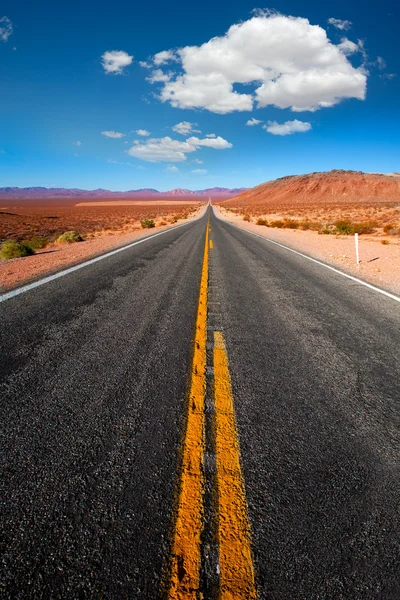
[379, 264]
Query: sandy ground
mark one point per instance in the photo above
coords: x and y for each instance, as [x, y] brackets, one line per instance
[379, 264]
[18, 271]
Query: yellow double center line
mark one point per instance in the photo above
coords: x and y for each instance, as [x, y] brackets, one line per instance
[235, 562]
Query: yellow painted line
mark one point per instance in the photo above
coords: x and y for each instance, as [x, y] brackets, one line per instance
[185, 559]
[211, 245]
[237, 581]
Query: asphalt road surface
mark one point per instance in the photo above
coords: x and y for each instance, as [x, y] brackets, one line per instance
[95, 372]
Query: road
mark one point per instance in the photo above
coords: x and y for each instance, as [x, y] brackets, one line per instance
[152, 450]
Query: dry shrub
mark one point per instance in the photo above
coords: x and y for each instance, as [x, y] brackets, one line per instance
[69, 237]
[391, 229]
[246, 218]
[261, 221]
[278, 223]
[12, 249]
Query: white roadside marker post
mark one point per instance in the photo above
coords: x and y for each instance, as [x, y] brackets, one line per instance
[357, 255]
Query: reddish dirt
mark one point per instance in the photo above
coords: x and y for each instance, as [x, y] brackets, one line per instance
[24, 222]
[18, 271]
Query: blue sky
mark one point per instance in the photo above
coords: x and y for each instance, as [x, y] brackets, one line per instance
[323, 79]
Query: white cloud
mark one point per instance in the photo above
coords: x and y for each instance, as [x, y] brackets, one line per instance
[292, 63]
[252, 122]
[111, 161]
[198, 162]
[144, 64]
[6, 29]
[287, 128]
[348, 47]
[217, 143]
[143, 132]
[115, 61]
[211, 135]
[168, 150]
[200, 171]
[163, 57]
[116, 135]
[184, 128]
[172, 169]
[158, 76]
[78, 143]
[381, 63]
[343, 25]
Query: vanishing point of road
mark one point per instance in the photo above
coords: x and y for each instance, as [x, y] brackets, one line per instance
[203, 415]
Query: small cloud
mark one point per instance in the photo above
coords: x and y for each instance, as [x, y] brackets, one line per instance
[143, 132]
[158, 76]
[172, 169]
[163, 57]
[343, 25]
[78, 143]
[199, 171]
[184, 128]
[252, 122]
[287, 128]
[140, 167]
[211, 135]
[349, 47]
[172, 151]
[115, 61]
[6, 29]
[15, 47]
[388, 76]
[116, 135]
[111, 161]
[381, 63]
[144, 64]
[198, 161]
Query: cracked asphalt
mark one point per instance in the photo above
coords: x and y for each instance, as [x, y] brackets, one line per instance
[94, 375]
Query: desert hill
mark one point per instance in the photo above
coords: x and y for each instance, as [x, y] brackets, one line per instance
[327, 188]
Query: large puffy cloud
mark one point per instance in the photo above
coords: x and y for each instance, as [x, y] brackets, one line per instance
[292, 63]
[168, 150]
[115, 61]
[6, 29]
[287, 128]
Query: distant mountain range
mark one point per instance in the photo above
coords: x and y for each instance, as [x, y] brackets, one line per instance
[36, 193]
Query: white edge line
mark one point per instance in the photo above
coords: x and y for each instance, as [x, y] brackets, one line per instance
[35, 284]
[314, 260]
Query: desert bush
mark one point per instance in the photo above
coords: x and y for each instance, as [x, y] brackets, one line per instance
[325, 230]
[69, 237]
[36, 243]
[12, 249]
[385, 242]
[262, 222]
[246, 218]
[366, 227]
[279, 224]
[391, 229]
[163, 223]
[147, 223]
[344, 227]
[348, 228]
[291, 224]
